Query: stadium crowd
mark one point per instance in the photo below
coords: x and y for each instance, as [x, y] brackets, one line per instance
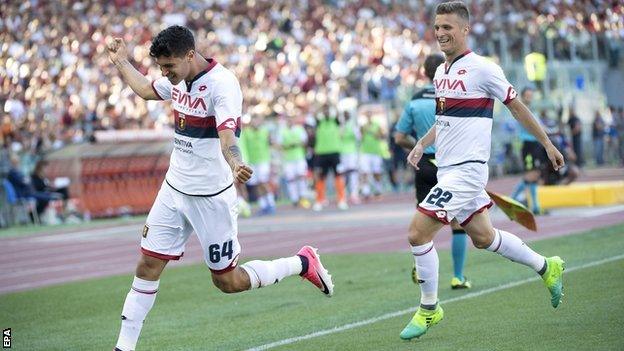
[57, 86]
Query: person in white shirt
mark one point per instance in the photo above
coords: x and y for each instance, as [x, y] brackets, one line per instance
[198, 193]
[465, 88]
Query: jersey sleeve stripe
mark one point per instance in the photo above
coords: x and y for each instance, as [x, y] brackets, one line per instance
[231, 124]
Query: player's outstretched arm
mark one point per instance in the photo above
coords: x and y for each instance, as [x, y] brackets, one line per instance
[523, 115]
[232, 154]
[118, 55]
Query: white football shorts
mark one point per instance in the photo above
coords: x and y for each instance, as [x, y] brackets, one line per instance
[459, 194]
[371, 164]
[261, 173]
[295, 169]
[348, 162]
[213, 218]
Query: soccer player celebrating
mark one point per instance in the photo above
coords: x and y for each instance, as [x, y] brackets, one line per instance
[465, 88]
[198, 193]
[419, 116]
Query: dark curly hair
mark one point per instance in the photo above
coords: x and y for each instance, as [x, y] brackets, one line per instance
[175, 41]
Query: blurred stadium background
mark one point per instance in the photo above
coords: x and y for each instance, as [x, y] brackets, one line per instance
[64, 103]
[89, 148]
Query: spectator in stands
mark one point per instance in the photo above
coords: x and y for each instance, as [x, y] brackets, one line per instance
[612, 140]
[576, 133]
[41, 184]
[24, 189]
[536, 68]
[598, 136]
[618, 116]
[17, 178]
[570, 171]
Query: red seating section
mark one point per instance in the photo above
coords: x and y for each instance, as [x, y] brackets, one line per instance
[113, 186]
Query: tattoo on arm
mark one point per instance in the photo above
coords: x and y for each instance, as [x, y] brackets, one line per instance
[233, 155]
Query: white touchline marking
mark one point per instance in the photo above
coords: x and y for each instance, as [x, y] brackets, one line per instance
[413, 309]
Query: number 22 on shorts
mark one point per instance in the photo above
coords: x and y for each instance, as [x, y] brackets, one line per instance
[439, 197]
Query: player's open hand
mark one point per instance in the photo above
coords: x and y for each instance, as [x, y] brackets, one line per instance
[242, 173]
[117, 51]
[415, 155]
[555, 157]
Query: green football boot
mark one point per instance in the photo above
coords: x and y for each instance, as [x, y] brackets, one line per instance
[464, 283]
[420, 323]
[553, 278]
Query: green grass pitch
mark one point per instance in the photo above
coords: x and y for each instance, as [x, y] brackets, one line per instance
[190, 314]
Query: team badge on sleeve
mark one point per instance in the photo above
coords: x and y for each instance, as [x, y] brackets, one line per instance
[145, 230]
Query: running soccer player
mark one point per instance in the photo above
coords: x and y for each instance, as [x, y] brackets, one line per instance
[198, 193]
[465, 88]
[419, 116]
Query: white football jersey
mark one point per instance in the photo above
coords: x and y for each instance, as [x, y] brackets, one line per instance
[211, 102]
[465, 92]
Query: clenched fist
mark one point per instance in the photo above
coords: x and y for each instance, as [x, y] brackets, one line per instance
[242, 172]
[117, 51]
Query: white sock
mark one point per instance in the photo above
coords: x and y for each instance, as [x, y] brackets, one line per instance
[511, 247]
[427, 263]
[139, 302]
[264, 273]
[354, 178]
[293, 192]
